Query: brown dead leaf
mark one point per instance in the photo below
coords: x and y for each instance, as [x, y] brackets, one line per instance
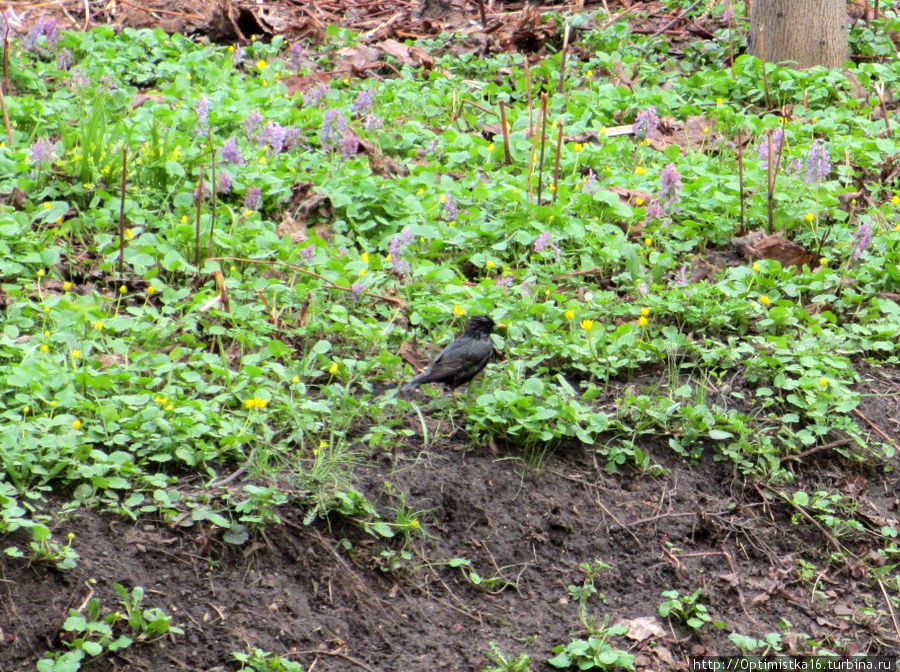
[758, 245]
[380, 164]
[303, 83]
[16, 198]
[643, 628]
[142, 97]
[358, 58]
[694, 133]
[305, 202]
[406, 54]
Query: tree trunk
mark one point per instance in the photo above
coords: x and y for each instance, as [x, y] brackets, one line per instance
[804, 33]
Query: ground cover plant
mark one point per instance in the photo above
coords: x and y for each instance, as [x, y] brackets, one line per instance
[218, 268]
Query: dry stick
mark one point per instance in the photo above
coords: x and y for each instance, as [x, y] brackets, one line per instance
[212, 196]
[9, 134]
[765, 75]
[528, 97]
[6, 60]
[122, 212]
[770, 185]
[888, 599]
[474, 104]
[676, 19]
[879, 91]
[532, 156]
[543, 146]
[481, 12]
[740, 162]
[562, 61]
[731, 47]
[559, 140]
[875, 15]
[400, 303]
[506, 151]
[197, 223]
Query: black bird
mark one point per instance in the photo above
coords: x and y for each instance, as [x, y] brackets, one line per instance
[463, 359]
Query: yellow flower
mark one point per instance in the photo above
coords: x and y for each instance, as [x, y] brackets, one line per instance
[76, 424]
[643, 321]
[46, 334]
[362, 272]
[570, 314]
[323, 444]
[249, 213]
[263, 159]
[823, 382]
[47, 206]
[706, 130]
[897, 227]
[809, 216]
[46, 309]
[442, 199]
[76, 354]
[170, 407]
[346, 80]
[261, 64]
[823, 261]
[98, 325]
[578, 147]
[645, 312]
[230, 48]
[757, 268]
[41, 272]
[459, 310]
[420, 191]
[896, 200]
[453, 223]
[71, 535]
[639, 201]
[151, 290]
[256, 402]
[648, 241]
[640, 170]
[589, 73]
[123, 289]
[551, 187]
[45, 348]
[490, 148]
[129, 234]
[67, 286]
[334, 369]
[184, 219]
[720, 101]
[587, 325]
[295, 379]
[54, 403]
[604, 130]
[645, 142]
[414, 524]
[365, 257]
[765, 300]
[490, 264]
[188, 75]
[815, 119]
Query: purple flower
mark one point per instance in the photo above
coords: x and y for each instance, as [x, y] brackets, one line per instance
[238, 56]
[397, 250]
[818, 163]
[64, 59]
[308, 252]
[201, 192]
[251, 123]
[451, 210]
[291, 138]
[372, 123]
[230, 152]
[431, 146]
[670, 187]
[315, 95]
[223, 182]
[728, 14]
[273, 135]
[681, 277]
[794, 167]
[43, 151]
[654, 211]
[504, 281]
[331, 133]
[862, 237]
[46, 28]
[590, 185]
[251, 200]
[203, 111]
[358, 288]
[542, 242]
[646, 123]
[349, 144]
[643, 289]
[296, 55]
[363, 103]
[78, 80]
[777, 142]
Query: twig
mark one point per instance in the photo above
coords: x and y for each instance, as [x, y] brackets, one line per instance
[799, 509]
[875, 427]
[122, 212]
[9, 134]
[544, 98]
[481, 12]
[507, 154]
[336, 654]
[212, 195]
[559, 140]
[562, 60]
[528, 96]
[765, 74]
[676, 19]
[887, 599]
[199, 199]
[817, 449]
[740, 161]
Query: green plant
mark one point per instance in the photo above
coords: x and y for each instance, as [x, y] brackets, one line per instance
[263, 661]
[500, 662]
[594, 653]
[685, 608]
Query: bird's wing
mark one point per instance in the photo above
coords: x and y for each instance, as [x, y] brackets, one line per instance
[451, 360]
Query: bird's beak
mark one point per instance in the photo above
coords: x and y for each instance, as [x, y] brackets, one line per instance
[500, 325]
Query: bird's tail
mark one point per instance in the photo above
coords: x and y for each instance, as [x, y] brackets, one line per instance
[413, 384]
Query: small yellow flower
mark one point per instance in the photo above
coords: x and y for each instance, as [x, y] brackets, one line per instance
[458, 310]
[706, 130]
[643, 321]
[46, 334]
[453, 223]
[570, 314]
[388, 258]
[47, 206]
[76, 424]
[365, 257]
[720, 101]
[188, 75]
[129, 234]
[645, 142]
[815, 119]
[98, 325]
[896, 200]
[334, 369]
[71, 536]
[640, 170]
[184, 219]
[604, 130]
[249, 213]
[362, 272]
[169, 407]
[41, 272]
[645, 312]
[46, 309]
[757, 268]
[809, 216]
[414, 524]
[490, 264]
[442, 199]
[823, 382]
[578, 147]
[823, 261]
[295, 379]
[263, 159]
[323, 445]
[123, 289]
[346, 80]
[45, 348]
[896, 227]
[261, 64]
[67, 286]
[151, 290]
[551, 187]
[589, 74]
[76, 353]
[490, 148]
[765, 300]
[54, 403]
[230, 48]
[648, 241]
[587, 325]
[420, 191]
[639, 201]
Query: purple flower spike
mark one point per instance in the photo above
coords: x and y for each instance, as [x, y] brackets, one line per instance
[646, 123]
[296, 55]
[64, 59]
[451, 210]
[862, 237]
[542, 242]
[223, 182]
[777, 142]
[251, 123]
[308, 252]
[43, 151]
[331, 133]
[670, 187]
[203, 111]
[397, 250]
[363, 103]
[230, 152]
[349, 144]
[251, 200]
[818, 163]
[358, 288]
